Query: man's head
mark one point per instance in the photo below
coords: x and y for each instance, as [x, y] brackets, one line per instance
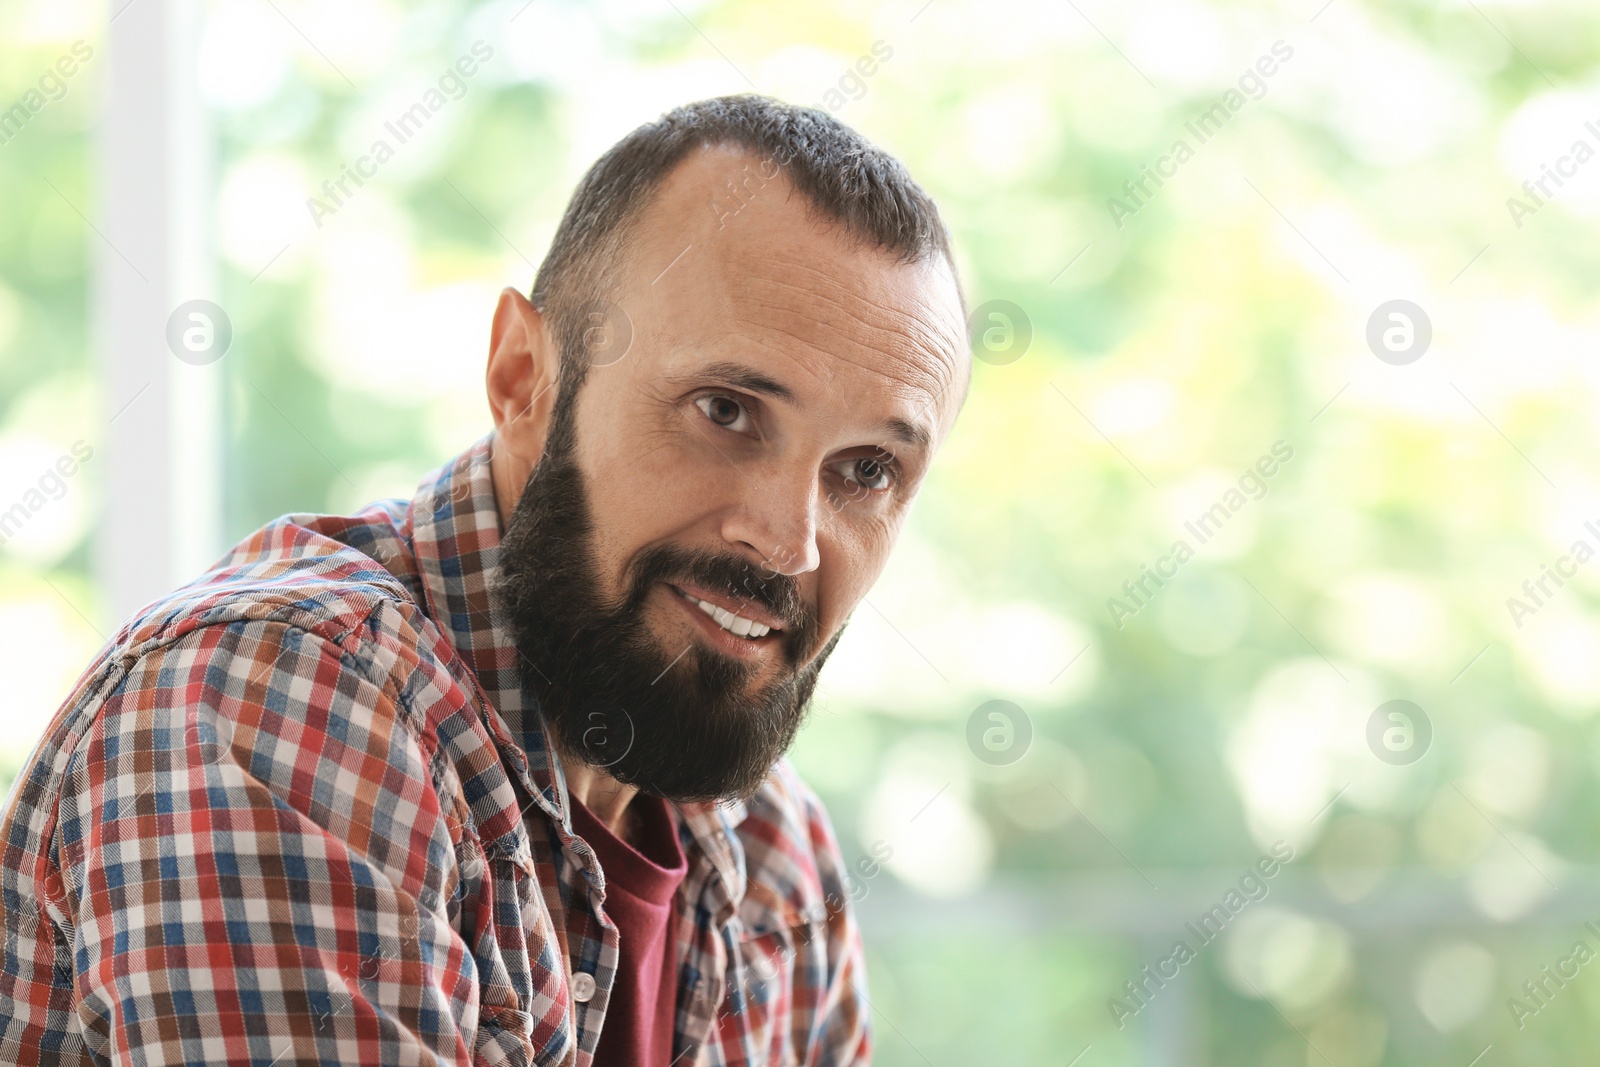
[741, 353]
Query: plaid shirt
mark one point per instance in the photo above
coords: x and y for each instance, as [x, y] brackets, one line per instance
[281, 820]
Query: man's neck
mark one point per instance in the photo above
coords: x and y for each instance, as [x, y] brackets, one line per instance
[607, 798]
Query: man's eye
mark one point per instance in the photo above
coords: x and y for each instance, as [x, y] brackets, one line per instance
[869, 472]
[726, 412]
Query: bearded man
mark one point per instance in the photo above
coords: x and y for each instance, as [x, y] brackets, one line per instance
[495, 775]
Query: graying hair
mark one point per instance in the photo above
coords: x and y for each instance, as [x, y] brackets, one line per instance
[845, 177]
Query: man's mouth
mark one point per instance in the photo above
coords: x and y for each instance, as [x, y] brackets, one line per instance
[731, 619]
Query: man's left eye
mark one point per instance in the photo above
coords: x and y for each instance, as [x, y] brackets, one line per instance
[869, 472]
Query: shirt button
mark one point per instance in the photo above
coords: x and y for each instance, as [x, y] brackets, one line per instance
[582, 986]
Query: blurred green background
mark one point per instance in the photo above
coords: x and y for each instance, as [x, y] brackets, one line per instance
[1170, 749]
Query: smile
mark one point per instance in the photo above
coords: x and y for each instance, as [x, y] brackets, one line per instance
[738, 625]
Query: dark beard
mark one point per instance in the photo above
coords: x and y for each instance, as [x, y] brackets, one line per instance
[675, 726]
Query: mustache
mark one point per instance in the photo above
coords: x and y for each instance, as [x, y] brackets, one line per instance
[778, 593]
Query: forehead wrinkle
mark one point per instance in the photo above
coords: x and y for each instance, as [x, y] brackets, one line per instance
[916, 374]
[893, 322]
[893, 332]
[837, 288]
[834, 288]
[816, 291]
[913, 430]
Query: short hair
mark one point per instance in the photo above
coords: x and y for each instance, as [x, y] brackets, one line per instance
[846, 179]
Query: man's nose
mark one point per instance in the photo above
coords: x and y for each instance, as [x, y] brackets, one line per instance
[775, 518]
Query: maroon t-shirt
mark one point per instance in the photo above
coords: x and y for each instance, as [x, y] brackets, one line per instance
[640, 885]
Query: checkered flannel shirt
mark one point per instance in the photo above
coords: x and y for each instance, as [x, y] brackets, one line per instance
[281, 820]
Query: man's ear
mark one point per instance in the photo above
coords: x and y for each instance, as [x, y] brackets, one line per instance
[522, 378]
[524, 369]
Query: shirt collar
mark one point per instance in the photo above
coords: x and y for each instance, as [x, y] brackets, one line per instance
[455, 531]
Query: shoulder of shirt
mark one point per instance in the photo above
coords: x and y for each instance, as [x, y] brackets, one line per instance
[299, 571]
[791, 856]
[784, 805]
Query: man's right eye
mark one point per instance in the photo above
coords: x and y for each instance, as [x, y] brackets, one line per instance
[725, 411]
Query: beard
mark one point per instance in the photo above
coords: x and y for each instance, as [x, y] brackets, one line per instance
[685, 726]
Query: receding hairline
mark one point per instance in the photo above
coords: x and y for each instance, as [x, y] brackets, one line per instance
[619, 255]
[611, 257]
[844, 179]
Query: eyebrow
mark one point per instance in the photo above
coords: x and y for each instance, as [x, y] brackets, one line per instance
[907, 433]
[753, 381]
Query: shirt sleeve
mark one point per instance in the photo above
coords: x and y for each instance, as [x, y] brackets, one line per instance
[846, 1024]
[252, 860]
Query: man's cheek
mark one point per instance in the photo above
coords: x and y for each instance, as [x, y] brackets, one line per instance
[853, 562]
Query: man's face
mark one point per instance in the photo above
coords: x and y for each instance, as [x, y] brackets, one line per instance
[734, 483]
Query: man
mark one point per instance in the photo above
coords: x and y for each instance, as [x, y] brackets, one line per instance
[495, 775]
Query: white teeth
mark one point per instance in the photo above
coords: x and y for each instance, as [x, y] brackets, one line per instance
[734, 624]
